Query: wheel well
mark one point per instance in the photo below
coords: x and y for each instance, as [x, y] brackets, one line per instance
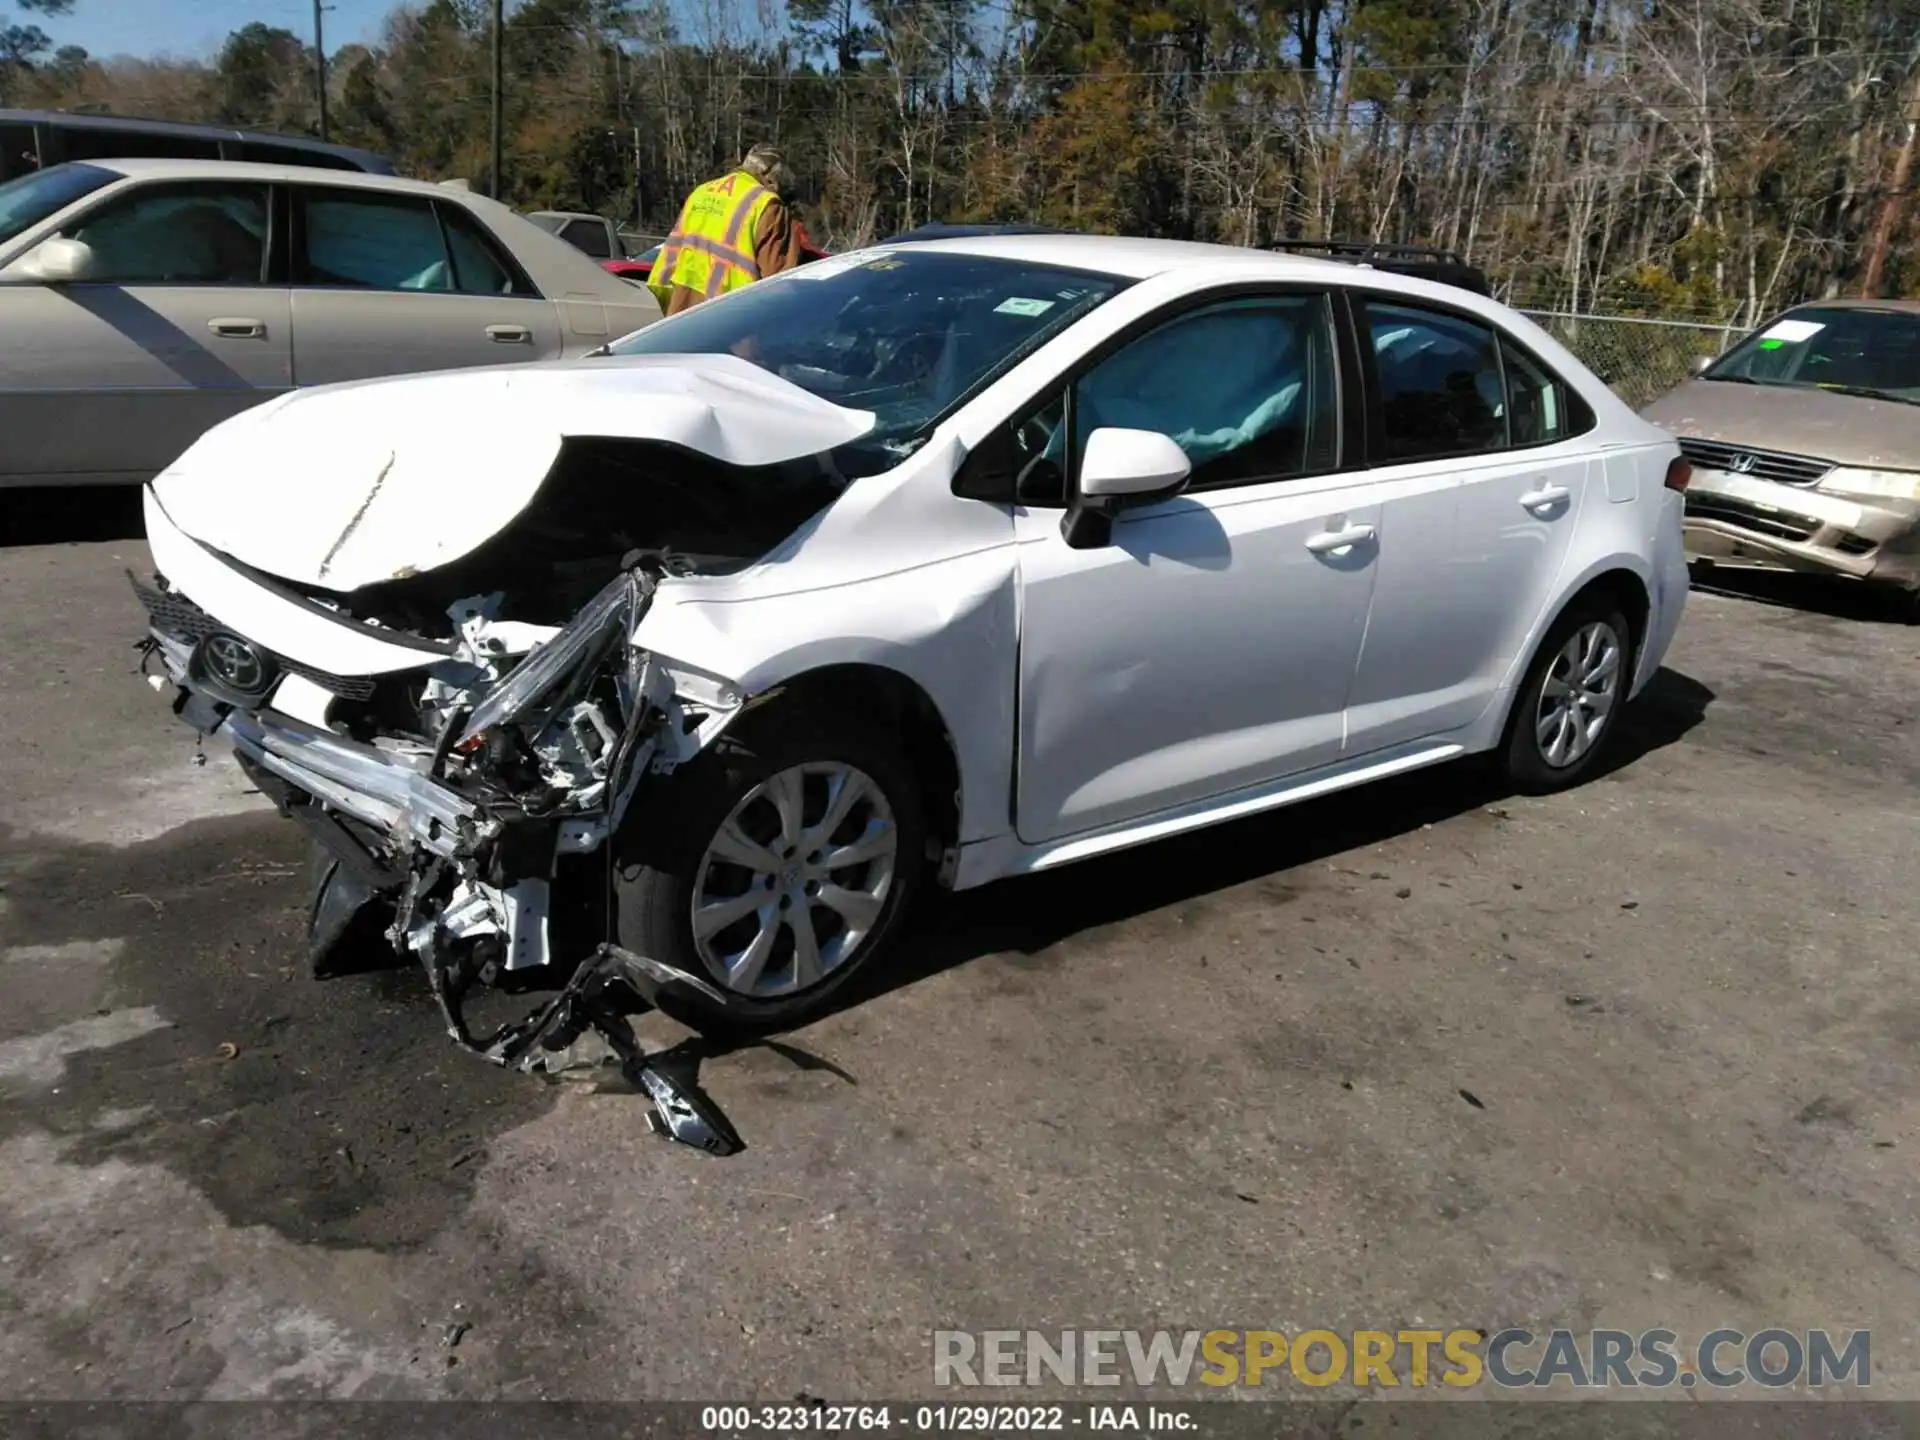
[888, 699]
[1626, 590]
[1620, 587]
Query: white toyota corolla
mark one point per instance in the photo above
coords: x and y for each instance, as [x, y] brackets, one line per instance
[929, 564]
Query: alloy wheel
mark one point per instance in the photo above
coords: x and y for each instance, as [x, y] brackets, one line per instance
[1577, 695]
[794, 879]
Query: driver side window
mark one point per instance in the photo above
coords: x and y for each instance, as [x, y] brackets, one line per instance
[178, 234]
[1246, 388]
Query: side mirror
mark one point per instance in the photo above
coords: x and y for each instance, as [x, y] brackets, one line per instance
[58, 262]
[1121, 467]
[1701, 364]
[1132, 465]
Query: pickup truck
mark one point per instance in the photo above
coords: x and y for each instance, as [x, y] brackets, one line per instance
[593, 234]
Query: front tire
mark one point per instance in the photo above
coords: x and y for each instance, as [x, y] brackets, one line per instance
[1570, 701]
[775, 867]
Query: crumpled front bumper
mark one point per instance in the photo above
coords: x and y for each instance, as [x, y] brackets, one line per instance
[373, 786]
[1747, 523]
[386, 789]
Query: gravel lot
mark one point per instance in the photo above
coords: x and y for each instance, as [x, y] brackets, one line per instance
[1224, 1081]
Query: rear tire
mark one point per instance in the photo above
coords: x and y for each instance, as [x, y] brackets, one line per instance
[1569, 703]
[741, 833]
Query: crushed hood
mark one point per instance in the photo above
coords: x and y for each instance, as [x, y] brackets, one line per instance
[348, 485]
[1794, 420]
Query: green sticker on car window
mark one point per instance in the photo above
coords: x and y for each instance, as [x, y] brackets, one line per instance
[1019, 305]
[1771, 344]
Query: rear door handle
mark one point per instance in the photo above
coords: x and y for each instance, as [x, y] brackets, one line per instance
[232, 327]
[1543, 497]
[509, 334]
[1330, 542]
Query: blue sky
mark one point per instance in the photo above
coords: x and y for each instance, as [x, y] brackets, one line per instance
[194, 29]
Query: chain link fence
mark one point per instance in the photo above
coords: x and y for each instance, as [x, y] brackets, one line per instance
[1640, 358]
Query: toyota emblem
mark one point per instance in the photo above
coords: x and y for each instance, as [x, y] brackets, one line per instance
[235, 663]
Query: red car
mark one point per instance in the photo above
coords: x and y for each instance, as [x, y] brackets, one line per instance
[636, 268]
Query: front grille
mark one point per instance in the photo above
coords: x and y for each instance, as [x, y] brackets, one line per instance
[1748, 516]
[174, 614]
[1759, 464]
[1854, 545]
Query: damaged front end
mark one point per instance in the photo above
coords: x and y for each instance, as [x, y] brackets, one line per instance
[425, 650]
[455, 833]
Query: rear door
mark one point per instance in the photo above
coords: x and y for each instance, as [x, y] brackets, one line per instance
[1481, 483]
[180, 323]
[387, 283]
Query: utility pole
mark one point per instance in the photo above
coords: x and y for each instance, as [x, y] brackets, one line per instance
[320, 64]
[499, 40]
[1895, 203]
[639, 203]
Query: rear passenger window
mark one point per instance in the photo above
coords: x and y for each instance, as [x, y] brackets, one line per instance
[19, 151]
[1538, 412]
[379, 242]
[478, 266]
[88, 142]
[1438, 381]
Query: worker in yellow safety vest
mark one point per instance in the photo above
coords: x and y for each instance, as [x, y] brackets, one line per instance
[731, 232]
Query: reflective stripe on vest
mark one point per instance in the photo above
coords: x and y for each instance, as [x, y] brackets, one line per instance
[704, 253]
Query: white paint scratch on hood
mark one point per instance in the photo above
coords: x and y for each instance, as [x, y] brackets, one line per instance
[346, 485]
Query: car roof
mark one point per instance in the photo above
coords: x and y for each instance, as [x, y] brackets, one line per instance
[1905, 307]
[1137, 259]
[172, 169]
[365, 160]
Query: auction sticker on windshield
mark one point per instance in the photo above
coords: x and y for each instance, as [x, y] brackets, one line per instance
[1792, 332]
[1016, 305]
[825, 269]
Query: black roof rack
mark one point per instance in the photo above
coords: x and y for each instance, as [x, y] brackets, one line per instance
[1422, 261]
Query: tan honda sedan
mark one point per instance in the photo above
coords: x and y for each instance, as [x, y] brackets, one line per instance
[1805, 443]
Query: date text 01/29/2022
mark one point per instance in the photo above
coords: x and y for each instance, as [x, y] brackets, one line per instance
[935, 1419]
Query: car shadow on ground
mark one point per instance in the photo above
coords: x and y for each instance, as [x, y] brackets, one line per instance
[1831, 596]
[1026, 916]
[78, 514]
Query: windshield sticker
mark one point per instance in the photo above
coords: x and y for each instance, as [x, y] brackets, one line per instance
[884, 262]
[822, 269]
[1016, 305]
[1792, 332]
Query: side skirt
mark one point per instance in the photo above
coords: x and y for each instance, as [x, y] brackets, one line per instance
[1005, 855]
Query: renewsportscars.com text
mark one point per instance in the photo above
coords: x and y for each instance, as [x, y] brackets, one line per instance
[1508, 1359]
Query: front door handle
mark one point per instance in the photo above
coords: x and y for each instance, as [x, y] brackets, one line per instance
[509, 334]
[1543, 497]
[233, 327]
[1332, 542]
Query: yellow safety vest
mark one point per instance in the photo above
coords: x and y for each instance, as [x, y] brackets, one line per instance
[711, 248]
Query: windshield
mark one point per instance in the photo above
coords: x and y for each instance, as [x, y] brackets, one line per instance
[27, 201]
[1856, 350]
[906, 334]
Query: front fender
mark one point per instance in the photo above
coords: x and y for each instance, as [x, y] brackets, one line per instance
[949, 627]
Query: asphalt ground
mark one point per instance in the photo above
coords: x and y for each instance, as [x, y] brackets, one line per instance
[1641, 1055]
